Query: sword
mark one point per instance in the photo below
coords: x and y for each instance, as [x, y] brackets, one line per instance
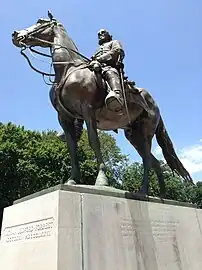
[123, 90]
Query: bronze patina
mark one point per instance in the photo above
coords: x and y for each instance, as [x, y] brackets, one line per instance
[96, 91]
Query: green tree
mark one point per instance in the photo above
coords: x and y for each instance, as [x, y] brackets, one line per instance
[31, 161]
[176, 189]
[132, 178]
[196, 194]
[114, 160]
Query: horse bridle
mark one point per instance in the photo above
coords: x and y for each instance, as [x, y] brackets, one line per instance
[51, 23]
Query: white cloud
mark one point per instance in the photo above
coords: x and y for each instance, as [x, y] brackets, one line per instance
[191, 157]
[158, 153]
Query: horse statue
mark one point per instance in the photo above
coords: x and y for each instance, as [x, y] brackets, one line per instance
[78, 94]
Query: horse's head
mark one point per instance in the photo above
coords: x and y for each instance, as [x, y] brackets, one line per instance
[39, 34]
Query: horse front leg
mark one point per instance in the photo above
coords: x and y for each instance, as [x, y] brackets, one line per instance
[70, 136]
[94, 143]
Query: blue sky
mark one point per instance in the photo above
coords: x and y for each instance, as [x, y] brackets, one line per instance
[163, 45]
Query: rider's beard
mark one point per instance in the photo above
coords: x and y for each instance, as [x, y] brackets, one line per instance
[106, 39]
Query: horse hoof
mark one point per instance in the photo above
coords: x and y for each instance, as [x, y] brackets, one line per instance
[162, 195]
[141, 194]
[71, 182]
[102, 182]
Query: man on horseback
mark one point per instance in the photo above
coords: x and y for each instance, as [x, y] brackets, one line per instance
[110, 53]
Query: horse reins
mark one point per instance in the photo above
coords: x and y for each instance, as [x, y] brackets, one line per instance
[24, 47]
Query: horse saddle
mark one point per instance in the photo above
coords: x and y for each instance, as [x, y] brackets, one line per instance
[102, 83]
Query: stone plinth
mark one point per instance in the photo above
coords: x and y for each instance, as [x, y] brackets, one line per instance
[84, 228]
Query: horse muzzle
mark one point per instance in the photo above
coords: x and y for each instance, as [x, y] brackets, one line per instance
[18, 37]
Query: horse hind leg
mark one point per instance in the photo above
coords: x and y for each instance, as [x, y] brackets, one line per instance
[143, 146]
[157, 168]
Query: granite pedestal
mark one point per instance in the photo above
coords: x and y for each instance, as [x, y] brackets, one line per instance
[85, 228]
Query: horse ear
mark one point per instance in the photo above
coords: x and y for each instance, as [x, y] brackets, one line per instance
[50, 15]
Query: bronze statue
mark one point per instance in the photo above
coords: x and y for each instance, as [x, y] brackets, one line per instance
[110, 53]
[78, 94]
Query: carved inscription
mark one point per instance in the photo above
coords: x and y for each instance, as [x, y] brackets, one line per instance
[162, 231]
[29, 231]
[156, 234]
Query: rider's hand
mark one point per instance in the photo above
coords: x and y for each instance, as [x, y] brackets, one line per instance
[95, 65]
[93, 58]
[93, 62]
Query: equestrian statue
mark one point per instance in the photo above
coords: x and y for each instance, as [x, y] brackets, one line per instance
[97, 92]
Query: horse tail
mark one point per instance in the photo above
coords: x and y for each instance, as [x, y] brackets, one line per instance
[169, 152]
[78, 126]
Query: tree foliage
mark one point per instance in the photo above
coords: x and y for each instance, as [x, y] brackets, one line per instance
[31, 161]
[176, 189]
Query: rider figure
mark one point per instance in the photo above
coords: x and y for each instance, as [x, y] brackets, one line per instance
[110, 53]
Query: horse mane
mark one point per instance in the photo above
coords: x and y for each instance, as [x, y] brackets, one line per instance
[69, 42]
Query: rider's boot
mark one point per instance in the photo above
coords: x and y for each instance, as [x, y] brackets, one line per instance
[114, 100]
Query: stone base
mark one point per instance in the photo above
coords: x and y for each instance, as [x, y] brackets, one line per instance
[91, 228]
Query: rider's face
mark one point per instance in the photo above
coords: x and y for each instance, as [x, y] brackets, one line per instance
[102, 36]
